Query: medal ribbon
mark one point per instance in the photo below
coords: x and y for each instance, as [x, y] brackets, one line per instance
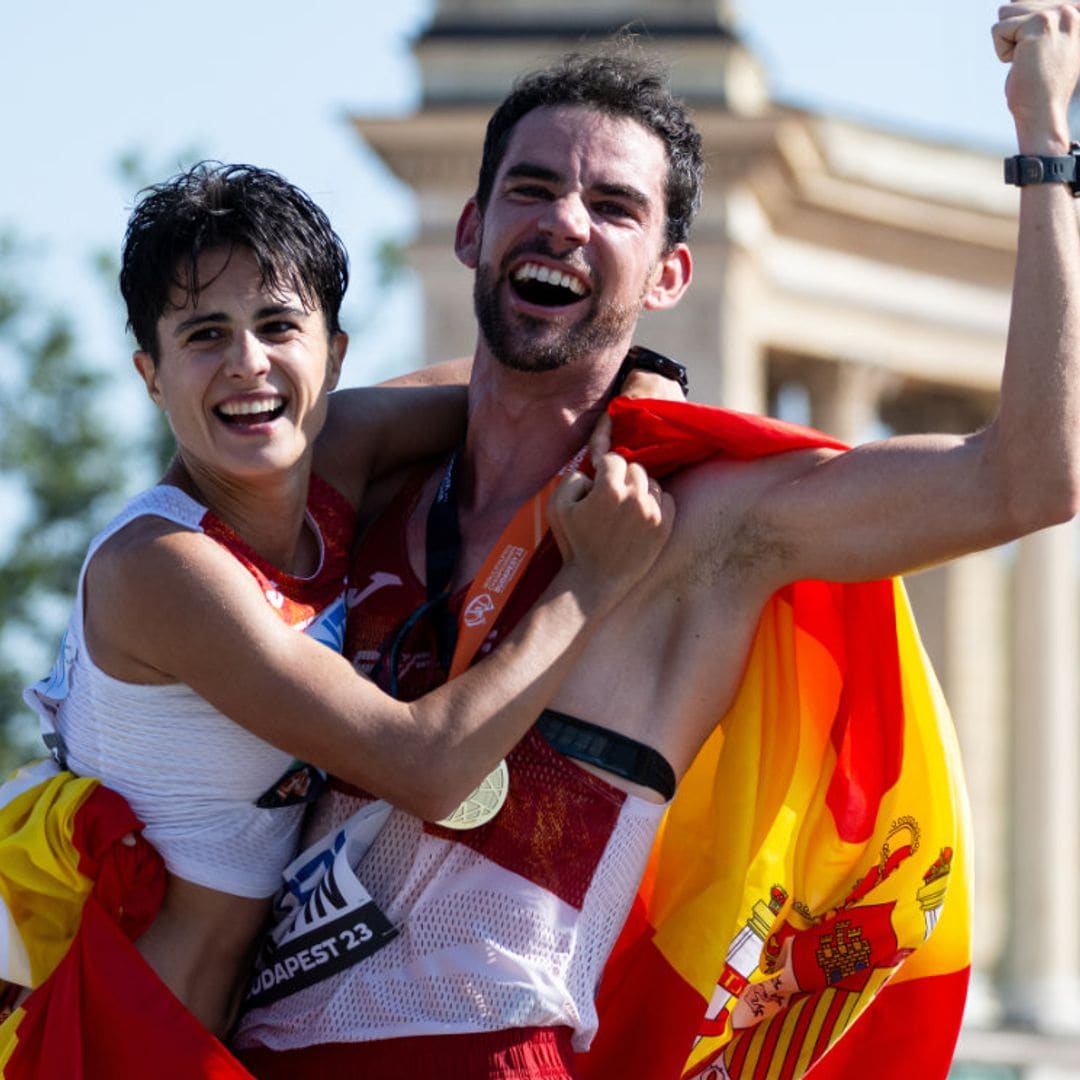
[503, 568]
[485, 599]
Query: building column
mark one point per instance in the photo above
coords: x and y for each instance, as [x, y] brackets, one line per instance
[449, 322]
[716, 328]
[977, 679]
[743, 372]
[712, 330]
[844, 400]
[1043, 982]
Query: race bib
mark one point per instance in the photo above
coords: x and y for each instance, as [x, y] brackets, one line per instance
[326, 920]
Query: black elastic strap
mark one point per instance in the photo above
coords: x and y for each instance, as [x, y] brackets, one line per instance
[443, 545]
[1025, 169]
[443, 531]
[618, 754]
[638, 358]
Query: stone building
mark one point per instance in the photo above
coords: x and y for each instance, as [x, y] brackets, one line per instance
[857, 280]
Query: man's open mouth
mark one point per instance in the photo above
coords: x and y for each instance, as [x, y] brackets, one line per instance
[547, 286]
[250, 410]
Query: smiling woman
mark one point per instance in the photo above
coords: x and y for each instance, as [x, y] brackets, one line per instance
[242, 376]
[182, 683]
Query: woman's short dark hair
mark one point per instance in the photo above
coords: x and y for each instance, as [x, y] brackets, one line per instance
[214, 205]
[619, 82]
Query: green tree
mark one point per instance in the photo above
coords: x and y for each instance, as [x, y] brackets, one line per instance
[61, 473]
[65, 461]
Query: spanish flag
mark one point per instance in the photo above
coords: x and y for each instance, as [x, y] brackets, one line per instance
[805, 908]
[78, 883]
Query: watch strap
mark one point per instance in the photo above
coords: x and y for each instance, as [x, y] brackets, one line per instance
[639, 358]
[1025, 169]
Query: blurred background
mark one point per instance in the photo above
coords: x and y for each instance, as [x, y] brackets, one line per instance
[852, 270]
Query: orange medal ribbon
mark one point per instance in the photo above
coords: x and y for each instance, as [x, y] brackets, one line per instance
[492, 587]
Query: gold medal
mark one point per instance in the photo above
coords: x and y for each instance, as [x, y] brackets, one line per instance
[484, 803]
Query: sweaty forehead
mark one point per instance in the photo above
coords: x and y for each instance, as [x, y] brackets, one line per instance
[225, 276]
[581, 144]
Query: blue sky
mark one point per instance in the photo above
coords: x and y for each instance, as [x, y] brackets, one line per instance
[272, 82]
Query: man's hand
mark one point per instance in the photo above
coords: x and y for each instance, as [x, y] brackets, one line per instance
[610, 529]
[1041, 40]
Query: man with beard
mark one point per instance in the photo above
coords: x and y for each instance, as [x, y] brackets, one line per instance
[591, 173]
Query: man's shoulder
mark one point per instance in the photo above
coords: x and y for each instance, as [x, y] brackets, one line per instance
[666, 435]
[737, 481]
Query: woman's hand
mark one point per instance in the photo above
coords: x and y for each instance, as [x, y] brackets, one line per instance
[610, 529]
[637, 384]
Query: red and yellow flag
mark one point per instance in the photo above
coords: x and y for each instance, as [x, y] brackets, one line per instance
[78, 883]
[784, 922]
[806, 905]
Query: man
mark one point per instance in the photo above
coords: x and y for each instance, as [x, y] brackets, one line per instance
[589, 179]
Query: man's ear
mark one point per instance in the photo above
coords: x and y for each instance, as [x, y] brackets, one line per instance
[145, 366]
[339, 346]
[467, 236]
[673, 274]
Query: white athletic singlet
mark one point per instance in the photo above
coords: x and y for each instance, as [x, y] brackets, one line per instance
[507, 926]
[190, 773]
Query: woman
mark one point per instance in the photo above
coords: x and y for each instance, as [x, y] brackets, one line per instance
[182, 683]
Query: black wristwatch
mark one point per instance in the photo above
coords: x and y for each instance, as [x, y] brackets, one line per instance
[638, 358]
[1025, 169]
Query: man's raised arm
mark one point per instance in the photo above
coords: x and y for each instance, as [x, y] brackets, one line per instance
[890, 507]
[1037, 430]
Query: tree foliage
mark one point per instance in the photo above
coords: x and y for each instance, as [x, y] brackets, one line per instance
[62, 469]
[69, 451]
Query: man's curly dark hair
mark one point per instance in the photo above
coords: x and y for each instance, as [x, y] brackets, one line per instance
[621, 82]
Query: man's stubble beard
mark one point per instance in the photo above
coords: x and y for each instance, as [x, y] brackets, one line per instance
[528, 344]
